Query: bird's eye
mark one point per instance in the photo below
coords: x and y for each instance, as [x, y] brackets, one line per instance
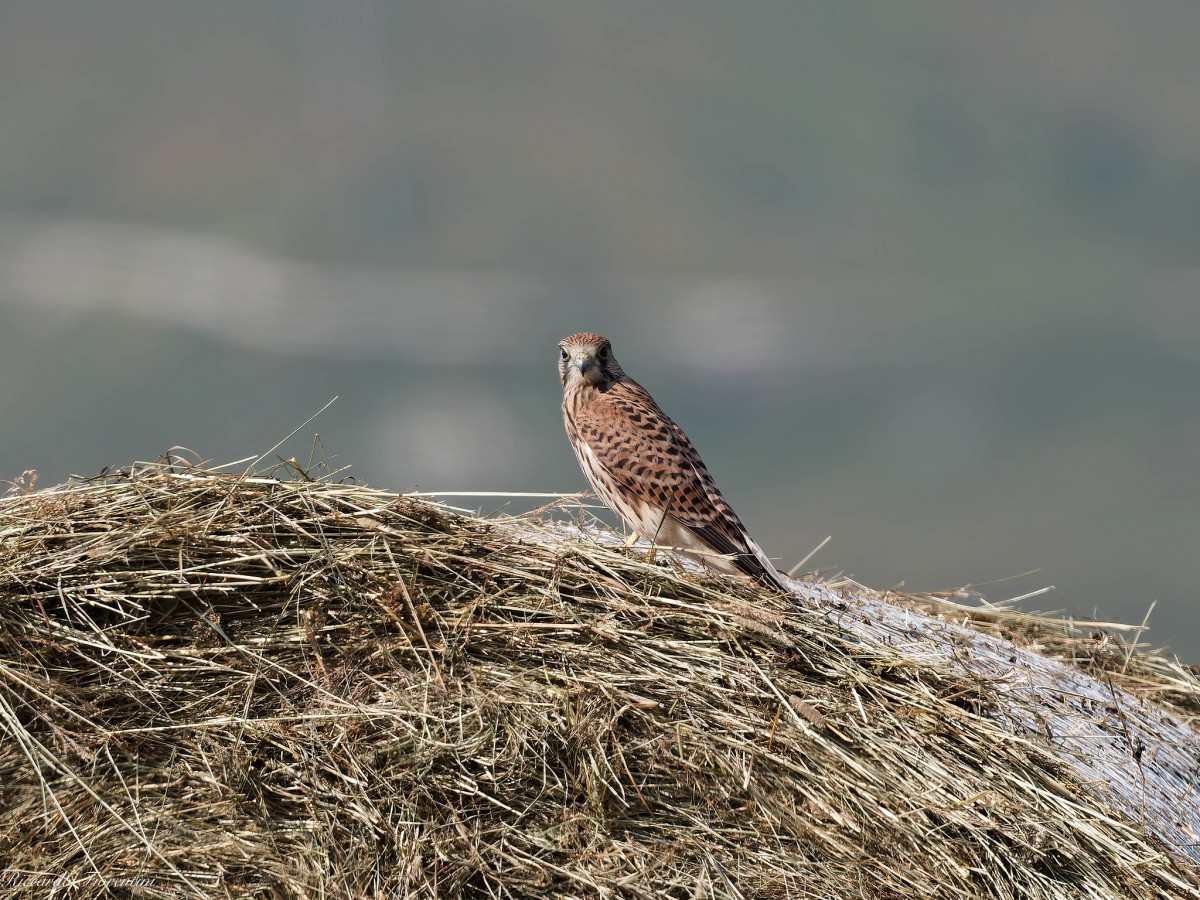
[604, 352]
[563, 351]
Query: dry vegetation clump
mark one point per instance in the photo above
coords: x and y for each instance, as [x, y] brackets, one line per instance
[223, 686]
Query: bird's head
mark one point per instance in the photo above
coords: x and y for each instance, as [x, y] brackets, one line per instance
[587, 358]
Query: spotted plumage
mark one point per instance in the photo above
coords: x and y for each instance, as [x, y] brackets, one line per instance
[643, 466]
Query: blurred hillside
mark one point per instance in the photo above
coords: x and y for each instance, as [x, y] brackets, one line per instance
[927, 279]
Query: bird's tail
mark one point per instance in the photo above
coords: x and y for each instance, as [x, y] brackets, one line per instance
[758, 566]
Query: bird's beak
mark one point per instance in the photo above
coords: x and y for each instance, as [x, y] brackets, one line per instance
[584, 361]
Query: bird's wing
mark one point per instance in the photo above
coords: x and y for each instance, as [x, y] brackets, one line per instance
[649, 457]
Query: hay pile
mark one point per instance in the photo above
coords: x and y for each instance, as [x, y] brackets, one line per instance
[218, 686]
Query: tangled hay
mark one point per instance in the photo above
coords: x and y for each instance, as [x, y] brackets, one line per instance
[225, 686]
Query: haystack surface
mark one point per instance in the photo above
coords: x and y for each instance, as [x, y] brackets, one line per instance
[229, 686]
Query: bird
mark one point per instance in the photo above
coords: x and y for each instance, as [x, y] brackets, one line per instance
[644, 468]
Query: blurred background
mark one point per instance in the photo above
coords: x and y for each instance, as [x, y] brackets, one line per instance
[924, 277]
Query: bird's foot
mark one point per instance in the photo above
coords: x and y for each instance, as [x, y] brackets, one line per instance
[633, 538]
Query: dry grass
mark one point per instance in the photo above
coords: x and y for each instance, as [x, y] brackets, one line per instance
[224, 686]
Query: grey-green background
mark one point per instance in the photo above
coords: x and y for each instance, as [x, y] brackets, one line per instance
[925, 277]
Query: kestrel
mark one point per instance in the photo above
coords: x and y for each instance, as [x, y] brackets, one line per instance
[643, 466]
